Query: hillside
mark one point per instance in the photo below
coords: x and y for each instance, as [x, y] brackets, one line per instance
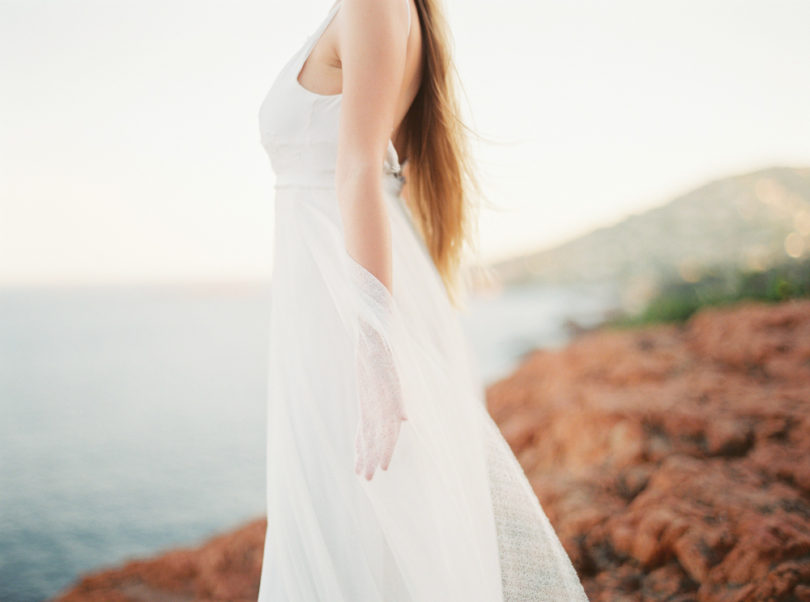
[749, 221]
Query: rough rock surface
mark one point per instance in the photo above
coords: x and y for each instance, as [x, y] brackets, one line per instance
[226, 567]
[674, 462]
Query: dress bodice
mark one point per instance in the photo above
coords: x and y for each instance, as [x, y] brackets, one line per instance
[299, 128]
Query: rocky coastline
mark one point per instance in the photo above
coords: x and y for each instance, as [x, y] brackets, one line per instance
[673, 461]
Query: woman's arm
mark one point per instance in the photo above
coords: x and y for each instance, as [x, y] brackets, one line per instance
[372, 45]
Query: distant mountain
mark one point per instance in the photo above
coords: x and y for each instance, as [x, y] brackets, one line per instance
[751, 220]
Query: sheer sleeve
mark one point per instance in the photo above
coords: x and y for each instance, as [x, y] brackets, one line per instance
[379, 390]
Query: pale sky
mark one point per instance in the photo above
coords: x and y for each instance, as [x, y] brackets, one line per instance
[129, 144]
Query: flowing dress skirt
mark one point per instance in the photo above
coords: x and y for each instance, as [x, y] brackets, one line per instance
[453, 518]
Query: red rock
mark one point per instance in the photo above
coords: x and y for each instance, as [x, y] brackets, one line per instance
[226, 567]
[701, 439]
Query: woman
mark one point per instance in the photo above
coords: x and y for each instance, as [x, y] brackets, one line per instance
[386, 478]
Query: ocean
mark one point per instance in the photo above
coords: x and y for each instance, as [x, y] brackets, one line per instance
[132, 418]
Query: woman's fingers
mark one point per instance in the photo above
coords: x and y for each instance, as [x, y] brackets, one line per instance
[375, 442]
[358, 451]
[372, 457]
[388, 451]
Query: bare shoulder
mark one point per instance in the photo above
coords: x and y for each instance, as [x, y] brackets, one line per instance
[384, 27]
[368, 17]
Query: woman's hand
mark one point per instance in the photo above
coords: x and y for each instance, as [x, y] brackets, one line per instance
[379, 391]
[380, 403]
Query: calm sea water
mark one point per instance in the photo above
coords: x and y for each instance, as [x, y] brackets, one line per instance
[132, 419]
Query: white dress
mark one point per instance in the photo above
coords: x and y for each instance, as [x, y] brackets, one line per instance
[454, 517]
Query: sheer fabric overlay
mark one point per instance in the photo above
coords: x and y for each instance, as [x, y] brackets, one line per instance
[453, 516]
[379, 391]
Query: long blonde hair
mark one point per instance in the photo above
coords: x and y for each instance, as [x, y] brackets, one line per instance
[442, 188]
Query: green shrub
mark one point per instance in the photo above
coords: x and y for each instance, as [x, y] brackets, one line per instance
[676, 301]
